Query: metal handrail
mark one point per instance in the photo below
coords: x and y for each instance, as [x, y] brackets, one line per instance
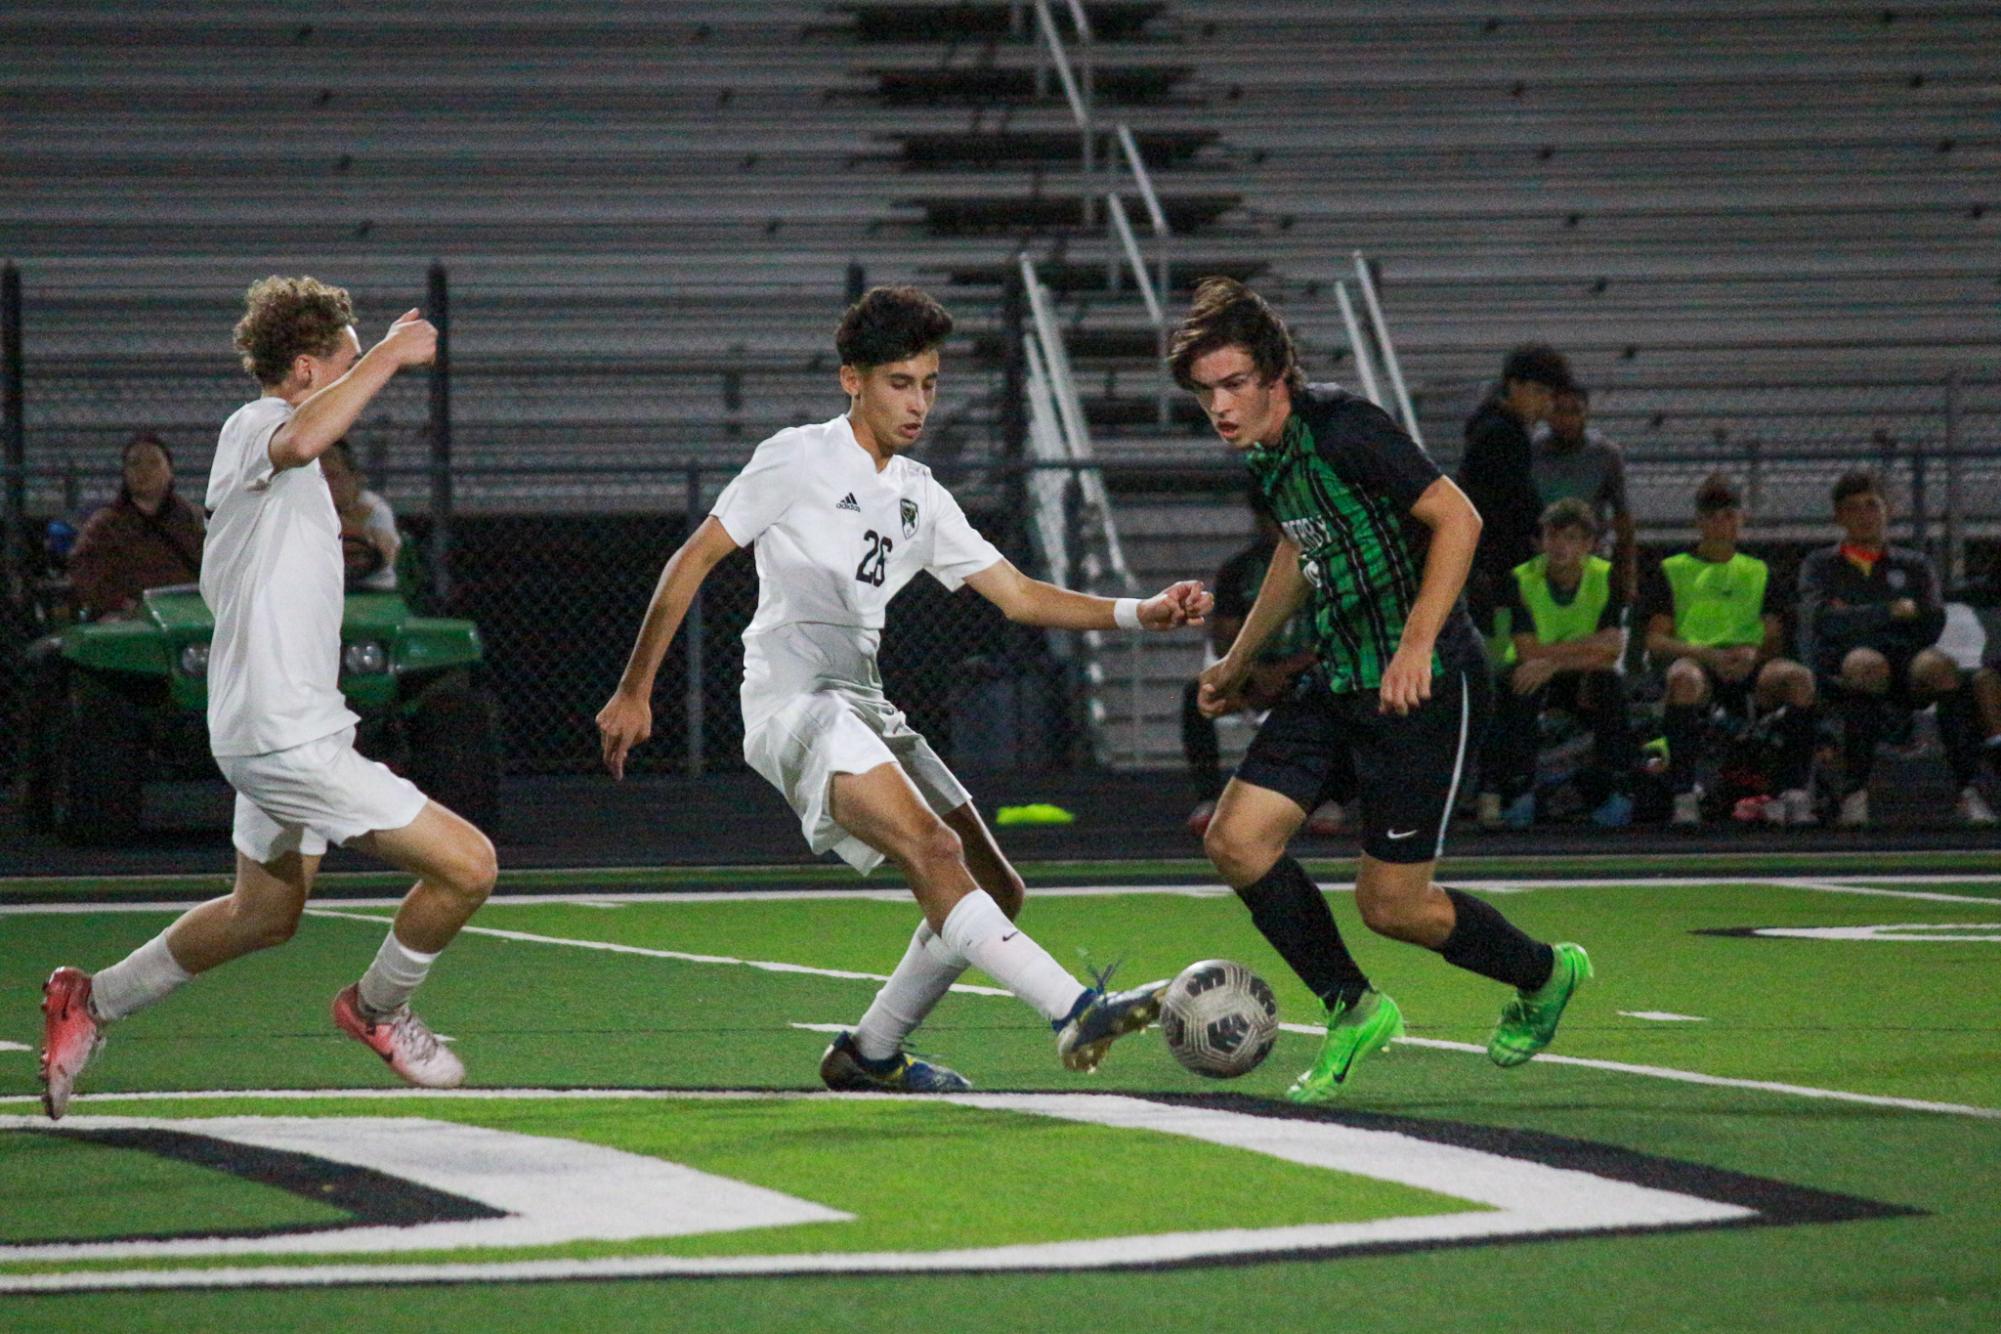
[1154, 293]
[1123, 228]
[1078, 97]
[1365, 370]
[1388, 348]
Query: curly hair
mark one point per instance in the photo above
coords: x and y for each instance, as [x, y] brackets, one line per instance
[890, 324]
[285, 318]
[1226, 313]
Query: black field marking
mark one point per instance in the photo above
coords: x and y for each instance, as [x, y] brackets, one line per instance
[370, 1198]
[1776, 1202]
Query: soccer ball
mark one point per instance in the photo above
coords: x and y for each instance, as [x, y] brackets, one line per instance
[1219, 1018]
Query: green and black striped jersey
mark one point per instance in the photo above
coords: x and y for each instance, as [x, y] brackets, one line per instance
[1342, 480]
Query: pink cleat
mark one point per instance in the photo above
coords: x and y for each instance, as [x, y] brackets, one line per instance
[403, 1040]
[71, 1035]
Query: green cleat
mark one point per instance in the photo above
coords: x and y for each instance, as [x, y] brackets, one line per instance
[1353, 1031]
[1528, 1022]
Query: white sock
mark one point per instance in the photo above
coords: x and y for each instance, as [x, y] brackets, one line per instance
[145, 975]
[927, 972]
[979, 931]
[396, 972]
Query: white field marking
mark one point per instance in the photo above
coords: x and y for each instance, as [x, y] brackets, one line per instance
[15, 1046]
[1665, 1016]
[1902, 931]
[762, 965]
[597, 903]
[1655, 1072]
[686, 897]
[553, 1191]
[1696, 1077]
[1834, 887]
[663, 898]
[1521, 1199]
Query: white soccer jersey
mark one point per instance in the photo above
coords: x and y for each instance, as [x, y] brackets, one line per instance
[836, 540]
[271, 573]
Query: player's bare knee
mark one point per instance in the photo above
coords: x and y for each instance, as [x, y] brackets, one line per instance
[932, 845]
[263, 926]
[1785, 682]
[1686, 684]
[1240, 855]
[477, 869]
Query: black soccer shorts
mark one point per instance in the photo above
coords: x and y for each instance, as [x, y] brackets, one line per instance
[1407, 769]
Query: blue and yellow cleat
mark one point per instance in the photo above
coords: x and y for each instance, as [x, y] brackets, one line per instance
[1101, 1017]
[845, 1070]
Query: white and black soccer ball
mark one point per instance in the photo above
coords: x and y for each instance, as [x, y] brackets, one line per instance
[1219, 1018]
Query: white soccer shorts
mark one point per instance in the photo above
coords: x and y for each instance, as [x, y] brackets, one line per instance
[306, 797]
[799, 749]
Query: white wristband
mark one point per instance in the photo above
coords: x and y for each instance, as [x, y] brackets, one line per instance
[1125, 613]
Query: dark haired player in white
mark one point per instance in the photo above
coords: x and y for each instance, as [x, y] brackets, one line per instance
[279, 729]
[842, 520]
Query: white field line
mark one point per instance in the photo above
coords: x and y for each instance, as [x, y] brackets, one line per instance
[1695, 1077]
[762, 965]
[1665, 1016]
[1587, 861]
[15, 1046]
[1651, 1071]
[687, 898]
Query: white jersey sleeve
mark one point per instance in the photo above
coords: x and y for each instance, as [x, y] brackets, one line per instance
[957, 550]
[243, 456]
[760, 495]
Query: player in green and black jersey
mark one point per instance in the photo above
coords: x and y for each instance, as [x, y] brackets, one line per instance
[1377, 544]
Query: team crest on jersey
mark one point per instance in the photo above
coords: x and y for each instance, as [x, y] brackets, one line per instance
[909, 508]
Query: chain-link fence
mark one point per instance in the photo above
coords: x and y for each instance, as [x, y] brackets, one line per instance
[543, 501]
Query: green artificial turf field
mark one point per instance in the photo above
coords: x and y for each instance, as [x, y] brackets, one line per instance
[1779, 1104]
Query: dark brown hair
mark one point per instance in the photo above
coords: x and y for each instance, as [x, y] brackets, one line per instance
[1717, 492]
[890, 324]
[1226, 313]
[286, 318]
[1857, 482]
[1571, 512]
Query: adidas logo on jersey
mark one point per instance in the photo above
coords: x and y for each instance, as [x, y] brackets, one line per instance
[848, 502]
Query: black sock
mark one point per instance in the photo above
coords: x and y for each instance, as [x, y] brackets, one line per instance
[1484, 942]
[1290, 911]
[1798, 729]
[1862, 727]
[1960, 735]
[1683, 726]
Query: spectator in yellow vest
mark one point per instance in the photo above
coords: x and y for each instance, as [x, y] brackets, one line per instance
[1569, 616]
[1712, 614]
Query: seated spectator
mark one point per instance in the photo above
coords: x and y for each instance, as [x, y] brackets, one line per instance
[368, 537]
[1870, 615]
[1284, 660]
[1497, 475]
[1569, 632]
[1712, 615]
[1572, 458]
[148, 537]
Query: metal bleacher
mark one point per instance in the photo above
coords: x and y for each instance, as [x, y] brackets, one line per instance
[1765, 226]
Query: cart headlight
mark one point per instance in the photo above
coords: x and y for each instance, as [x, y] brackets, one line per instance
[194, 660]
[364, 657]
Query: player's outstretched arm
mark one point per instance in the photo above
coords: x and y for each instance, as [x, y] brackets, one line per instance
[627, 717]
[1033, 602]
[1282, 593]
[327, 415]
[1455, 533]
